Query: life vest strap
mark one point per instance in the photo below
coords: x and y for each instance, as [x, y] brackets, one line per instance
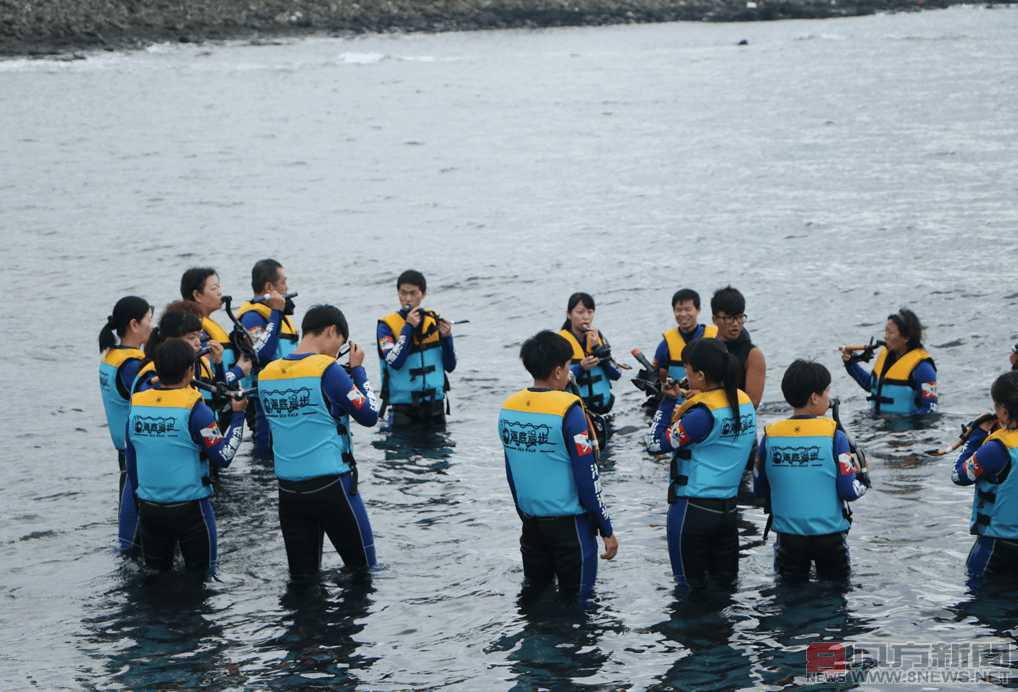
[423, 395]
[987, 495]
[418, 372]
[982, 520]
[880, 399]
[587, 378]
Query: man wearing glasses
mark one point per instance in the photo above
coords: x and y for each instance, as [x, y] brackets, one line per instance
[729, 309]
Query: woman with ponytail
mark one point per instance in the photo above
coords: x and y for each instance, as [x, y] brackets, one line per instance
[711, 437]
[988, 462]
[120, 342]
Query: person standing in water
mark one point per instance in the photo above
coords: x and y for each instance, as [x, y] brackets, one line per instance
[668, 356]
[120, 343]
[200, 286]
[728, 307]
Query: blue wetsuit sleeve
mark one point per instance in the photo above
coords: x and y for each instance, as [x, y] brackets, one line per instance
[512, 486]
[218, 447]
[585, 471]
[849, 486]
[267, 341]
[609, 367]
[859, 374]
[577, 370]
[233, 375]
[761, 486]
[924, 381]
[987, 462]
[131, 459]
[661, 355]
[350, 394]
[127, 373]
[694, 426]
[658, 427]
[448, 354]
[145, 383]
[394, 351]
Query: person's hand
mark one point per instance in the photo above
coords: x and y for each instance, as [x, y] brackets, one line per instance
[217, 351]
[275, 300]
[239, 404]
[588, 362]
[244, 363]
[670, 388]
[444, 328]
[846, 353]
[1013, 358]
[611, 547]
[356, 355]
[987, 425]
[414, 317]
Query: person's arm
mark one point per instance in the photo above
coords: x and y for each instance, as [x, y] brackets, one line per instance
[761, 485]
[266, 333]
[219, 447]
[394, 351]
[126, 375]
[849, 486]
[694, 426]
[131, 459]
[585, 472]
[662, 420]
[661, 356]
[145, 382]
[988, 460]
[756, 373]
[924, 381]
[512, 486]
[350, 394]
[859, 374]
[448, 354]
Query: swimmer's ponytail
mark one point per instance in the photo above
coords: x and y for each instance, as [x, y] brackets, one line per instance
[127, 308]
[720, 367]
[732, 367]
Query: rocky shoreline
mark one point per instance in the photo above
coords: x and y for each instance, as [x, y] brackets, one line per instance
[47, 27]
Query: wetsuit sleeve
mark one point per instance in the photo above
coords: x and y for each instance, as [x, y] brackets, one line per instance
[859, 374]
[350, 394]
[448, 354]
[585, 471]
[267, 332]
[220, 448]
[987, 462]
[661, 355]
[761, 486]
[145, 383]
[394, 351]
[849, 486]
[924, 381]
[131, 460]
[576, 369]
[658, 426]
[609, 367]
[126, 374]
[512, 486]
[233, 375]
[694, 426]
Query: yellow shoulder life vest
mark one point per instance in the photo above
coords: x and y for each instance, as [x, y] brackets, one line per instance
[286, 328]
[676, 343]
[215, 332]
[902, 368]
[1009, 438]
[286, 369]
[167, 398]
[552, 402]
[117, 356]
[802, 427]
[713, 399]
[593, 340]
[429, 327]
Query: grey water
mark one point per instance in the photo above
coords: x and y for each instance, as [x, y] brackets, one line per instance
[833, 170]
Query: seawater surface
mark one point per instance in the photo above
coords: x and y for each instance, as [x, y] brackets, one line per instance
[833, 170]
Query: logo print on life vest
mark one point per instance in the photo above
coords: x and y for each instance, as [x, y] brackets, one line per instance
[154, 426]
[286, 402]
[747, 425]
[800, 456]
[524, 437]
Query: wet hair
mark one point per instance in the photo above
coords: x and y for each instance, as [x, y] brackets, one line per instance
[413, 278]
[319, 317]
[263, 272]
[175, 322]
[172, 359]
[728, 300]
[574, 300]
[127, 308]
[803, 379]
[710, 357]
[194, 280]
[909, 326]
[544, 352]
[684, 294]
[1005, 392]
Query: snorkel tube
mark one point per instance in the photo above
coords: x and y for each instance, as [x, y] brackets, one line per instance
[863, 352]
[966, 433]
[240, 337]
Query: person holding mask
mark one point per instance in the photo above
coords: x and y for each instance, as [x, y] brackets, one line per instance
[729, 313]
[592, 366]
[415, 348]
[120, 343]
[904, 378]
[711, 438]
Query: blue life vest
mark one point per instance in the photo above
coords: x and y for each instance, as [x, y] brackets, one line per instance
[422, 377]
[171, 467]
[803, 475]
[676, 343]
[995, 505]
[288, 337]
[593, 386]
[713, 467]
[892, 391]
[213, 332]
[116, 403]
[530, 426]
[307, 440]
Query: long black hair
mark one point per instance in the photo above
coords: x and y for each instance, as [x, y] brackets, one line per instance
[574, 300]
[1005, 392]
[127, 308]
[909, 326]
[173, 324]
[710, 357]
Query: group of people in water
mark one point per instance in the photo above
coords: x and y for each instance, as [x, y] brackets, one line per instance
[179, 393]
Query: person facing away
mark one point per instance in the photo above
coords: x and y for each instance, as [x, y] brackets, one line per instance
[551, 467]
[270, 323]
[309, 400]
[711, 438]
[904, 378]
[591, 363]
[172, 437]
[415, 350]
[806, 467]
[728, 308]
[988, 462]
[120, 343]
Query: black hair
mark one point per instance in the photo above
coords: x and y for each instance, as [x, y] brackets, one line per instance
[172, 359]
[1005, 392]
[684, 294]
[544, 352]
[728, 300]
[909, 326]
[802, 379]
[318, 317]
[263, 272]
[574, 300]
[414, 278]
[176, 321]
[127, 308]
[194, 280]
[710, 357]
